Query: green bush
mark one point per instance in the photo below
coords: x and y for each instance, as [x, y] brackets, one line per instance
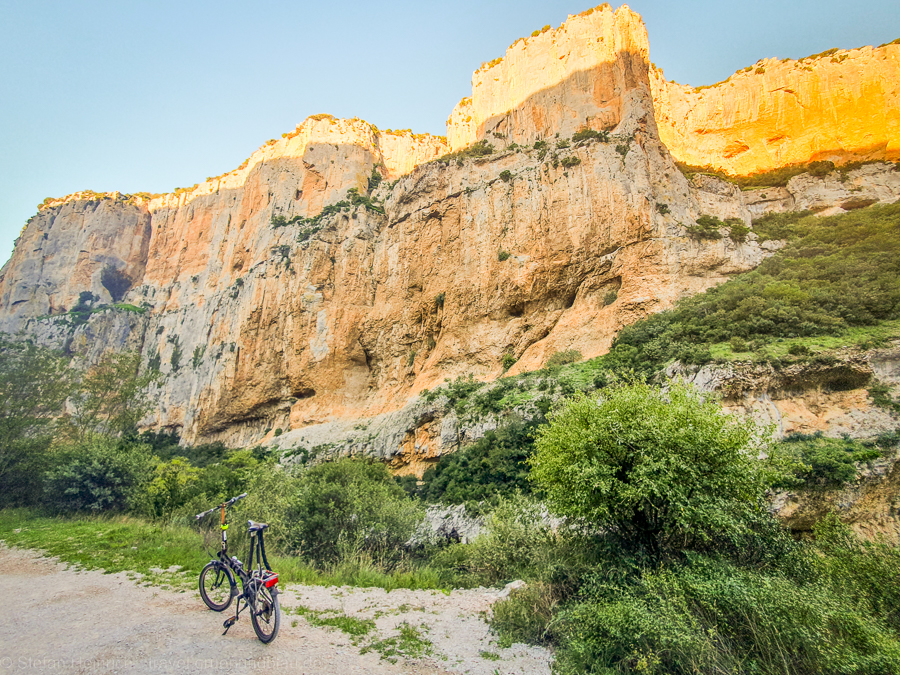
[738, 345]
[707, 227]
[826, 461]
[859, 569]
[520, 542]
[347, 508]
[590, 135]
[563, 358]
[100, 475]
[507, 361]
[664, 471]
[478, 149]
[737, 231]
[503, 255]
[489, 468]
[712, 617]
[570, 161]
[506, 175]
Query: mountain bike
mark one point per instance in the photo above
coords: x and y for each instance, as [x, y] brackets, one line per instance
[218, 580]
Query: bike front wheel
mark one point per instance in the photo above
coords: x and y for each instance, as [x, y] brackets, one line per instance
[215, 586]
[265, 614]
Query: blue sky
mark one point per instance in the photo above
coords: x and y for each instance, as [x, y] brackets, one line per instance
[148, 96]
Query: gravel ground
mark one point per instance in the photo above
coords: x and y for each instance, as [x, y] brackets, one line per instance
[62, 620]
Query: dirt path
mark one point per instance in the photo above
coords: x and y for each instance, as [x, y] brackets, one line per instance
[61, 620]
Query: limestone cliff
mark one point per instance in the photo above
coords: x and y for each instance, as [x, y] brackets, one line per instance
[95, 243]
[839, 106]
[341, 269]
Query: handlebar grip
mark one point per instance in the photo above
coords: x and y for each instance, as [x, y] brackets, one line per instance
[239, 497]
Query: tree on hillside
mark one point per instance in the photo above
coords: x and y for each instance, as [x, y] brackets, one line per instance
[112, 397]
[34, 384]
[664, 470]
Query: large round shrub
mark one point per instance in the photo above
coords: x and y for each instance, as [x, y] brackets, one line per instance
[349, 507]
[664, 469]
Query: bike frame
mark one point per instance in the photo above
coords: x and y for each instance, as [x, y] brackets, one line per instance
[251, 580]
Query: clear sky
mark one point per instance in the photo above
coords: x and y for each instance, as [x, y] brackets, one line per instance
[152, 95]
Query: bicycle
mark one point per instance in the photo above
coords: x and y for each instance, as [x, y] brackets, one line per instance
[218, 585]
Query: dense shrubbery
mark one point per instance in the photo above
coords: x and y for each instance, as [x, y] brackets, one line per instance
[834, 273]
[664, 471]
[829, 462]
[343, 509]
[776, 177]
[102, 474]
[490, 468]
[724, 588]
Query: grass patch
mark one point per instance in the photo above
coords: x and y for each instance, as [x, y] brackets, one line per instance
[356, 628]
[116, 543]
[408, 643]
[863, 337]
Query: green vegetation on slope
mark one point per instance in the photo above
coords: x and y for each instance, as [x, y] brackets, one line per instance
[834, 273]
[776, 177]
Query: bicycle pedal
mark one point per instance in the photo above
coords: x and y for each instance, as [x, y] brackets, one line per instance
[229, 623]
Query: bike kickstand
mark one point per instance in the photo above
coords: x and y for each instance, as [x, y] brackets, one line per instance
[232, 620]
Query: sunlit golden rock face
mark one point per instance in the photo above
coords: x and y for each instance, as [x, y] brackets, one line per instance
[584, 73]
[263, 315]
[841, 106]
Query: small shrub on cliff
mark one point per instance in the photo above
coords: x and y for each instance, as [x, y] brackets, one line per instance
[737, 231]
[583, 135]
[706, 227]
[825, 462]
[570, 161]
[563, 358]
[738, 345]
[503, 255]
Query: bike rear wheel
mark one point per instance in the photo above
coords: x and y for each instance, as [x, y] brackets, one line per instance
[265, 614]
[215, 586]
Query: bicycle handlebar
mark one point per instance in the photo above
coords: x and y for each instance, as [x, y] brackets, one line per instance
[220, 506]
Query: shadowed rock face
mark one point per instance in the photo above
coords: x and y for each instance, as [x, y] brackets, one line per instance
[99, 246]
[261, 318]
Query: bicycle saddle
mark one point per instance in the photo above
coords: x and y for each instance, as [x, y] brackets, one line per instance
[256, 527]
